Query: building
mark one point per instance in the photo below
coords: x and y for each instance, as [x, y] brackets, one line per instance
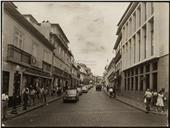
[27, 54]
[143, 42]
[61, 61]
[109, 73]
[85, 74]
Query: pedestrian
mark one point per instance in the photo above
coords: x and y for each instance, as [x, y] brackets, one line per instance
[45, 95]
[41, 93]
[25, 98]
[164, 98]
[111, 91]
[107, 88]
[32, 95]
[5, 99]
[114, 91]
[37, 88]
[154, 98]
[148, 96]
[160, 103]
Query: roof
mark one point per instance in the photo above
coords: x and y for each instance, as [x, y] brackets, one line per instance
[31, 17]
[111, 62]
[118, 41]
[14, 13]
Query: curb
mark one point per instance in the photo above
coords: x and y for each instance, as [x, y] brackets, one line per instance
[36, 107]
[143, 110]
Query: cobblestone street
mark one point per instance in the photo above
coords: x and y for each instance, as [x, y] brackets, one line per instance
[93, 109]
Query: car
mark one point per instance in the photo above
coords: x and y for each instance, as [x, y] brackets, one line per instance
[98, 87]
[79, 89]
[71, 95]
[84, 89]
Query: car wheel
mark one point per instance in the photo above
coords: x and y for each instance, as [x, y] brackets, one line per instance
[64, 101]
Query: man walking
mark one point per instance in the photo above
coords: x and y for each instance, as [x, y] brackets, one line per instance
[148, 97]
[4, 105]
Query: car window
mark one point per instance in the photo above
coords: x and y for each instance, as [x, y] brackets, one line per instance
[71, 91]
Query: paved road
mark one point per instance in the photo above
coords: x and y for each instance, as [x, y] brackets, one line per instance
[93, 109]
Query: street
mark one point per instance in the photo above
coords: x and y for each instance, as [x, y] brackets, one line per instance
[93, 109]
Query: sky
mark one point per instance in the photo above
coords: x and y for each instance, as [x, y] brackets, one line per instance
[90, 27]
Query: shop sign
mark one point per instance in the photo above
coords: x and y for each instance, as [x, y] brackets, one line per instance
[35, 62]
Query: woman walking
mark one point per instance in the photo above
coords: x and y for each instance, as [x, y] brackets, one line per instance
[160, 102]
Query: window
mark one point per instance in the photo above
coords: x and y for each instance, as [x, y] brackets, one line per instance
[152, 7]
[136, 71]
[139, 11]
[141, 69]
[18, 39]
[134, 48]
[46, 55]
[141, 83]
[35, 49]
[136, 83]
[139, 44]
[152, 38]
[132, 83]
[147, 68]
[155, 66]
[145, 13]
[147, 81]
[5, 81]
[59, 50]
[154, 81]
[144, 30]
[134, 23]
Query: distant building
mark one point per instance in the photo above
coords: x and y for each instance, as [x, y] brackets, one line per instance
[142, 48]
[85, 74]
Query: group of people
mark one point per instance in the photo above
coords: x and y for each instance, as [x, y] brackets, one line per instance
[29, 95]
[155, 99]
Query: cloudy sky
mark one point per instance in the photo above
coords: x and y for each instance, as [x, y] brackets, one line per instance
[90, 27]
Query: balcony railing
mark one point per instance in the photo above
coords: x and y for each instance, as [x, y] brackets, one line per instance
[118, 56]
[18, 56]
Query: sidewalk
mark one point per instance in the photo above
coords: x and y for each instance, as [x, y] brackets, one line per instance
[135, 104]
[38, 103]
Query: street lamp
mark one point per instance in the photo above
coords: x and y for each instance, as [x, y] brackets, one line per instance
[15, 90]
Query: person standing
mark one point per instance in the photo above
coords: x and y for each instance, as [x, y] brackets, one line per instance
[32, 95]
[114, 91]
[111, 91]
[5, 99]
[25, 98]
[160, 103]
[154, 98]
[148, 97]
[45, 95]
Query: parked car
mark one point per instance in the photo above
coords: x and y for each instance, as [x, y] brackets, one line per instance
[98, 87]
[71, 95]
[79, 89]
[84, 89]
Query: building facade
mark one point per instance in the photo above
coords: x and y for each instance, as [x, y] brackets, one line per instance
[143, 39]
[34, 54]
[27, 54]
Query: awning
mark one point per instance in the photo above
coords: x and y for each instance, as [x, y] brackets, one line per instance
[28, 73]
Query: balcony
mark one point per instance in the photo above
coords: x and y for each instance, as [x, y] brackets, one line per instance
[18, 56]
[117, 57]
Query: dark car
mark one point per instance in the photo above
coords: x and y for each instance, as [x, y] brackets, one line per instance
[71, 95]
[98, 88]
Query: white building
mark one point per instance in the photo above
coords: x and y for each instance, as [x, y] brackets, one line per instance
[143, 36]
